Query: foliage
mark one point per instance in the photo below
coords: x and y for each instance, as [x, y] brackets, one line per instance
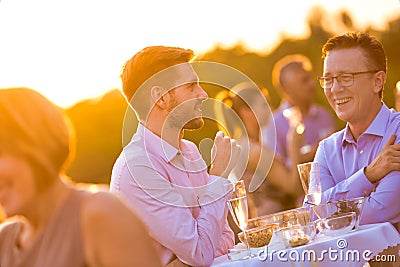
[98, 123]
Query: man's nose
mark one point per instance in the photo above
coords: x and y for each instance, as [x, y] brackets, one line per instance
[336, 85]
[201, 93]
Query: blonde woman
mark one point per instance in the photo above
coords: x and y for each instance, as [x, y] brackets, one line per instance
[51, 222]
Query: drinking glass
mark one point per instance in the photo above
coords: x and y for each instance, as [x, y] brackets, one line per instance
[239, 189]
[311, 181]
[239, 210]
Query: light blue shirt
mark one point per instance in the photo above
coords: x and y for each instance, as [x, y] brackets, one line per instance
[342, 161]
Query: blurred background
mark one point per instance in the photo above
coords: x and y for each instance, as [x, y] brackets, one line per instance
[73, 51]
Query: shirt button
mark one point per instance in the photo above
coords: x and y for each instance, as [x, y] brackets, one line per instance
[362, 151]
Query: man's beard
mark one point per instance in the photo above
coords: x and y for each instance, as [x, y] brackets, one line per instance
[178, 120]
[182, 120]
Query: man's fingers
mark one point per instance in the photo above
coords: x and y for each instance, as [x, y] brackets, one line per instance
[218, 136]
[226, 140]
[396, 147]
[222, 146]
[225, 154]
[235, 148]
[217, 143]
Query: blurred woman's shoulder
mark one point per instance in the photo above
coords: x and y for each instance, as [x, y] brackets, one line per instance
[9, 231]
[10, 225]
[113, 235]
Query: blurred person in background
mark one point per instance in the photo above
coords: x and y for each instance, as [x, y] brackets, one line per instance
[50, 222]
[292, 77]
[163, 176]
[273, 187]
[397, 97]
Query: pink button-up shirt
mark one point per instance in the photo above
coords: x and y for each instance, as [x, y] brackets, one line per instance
[183, 206]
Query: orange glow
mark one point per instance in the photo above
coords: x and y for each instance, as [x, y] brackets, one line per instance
[74, 50]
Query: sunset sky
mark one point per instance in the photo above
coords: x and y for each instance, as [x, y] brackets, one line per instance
[72, 50]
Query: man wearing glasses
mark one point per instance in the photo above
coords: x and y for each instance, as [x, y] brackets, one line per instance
[363, 159]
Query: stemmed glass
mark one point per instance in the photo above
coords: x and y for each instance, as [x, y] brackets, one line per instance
[311, 182]
[239, 210]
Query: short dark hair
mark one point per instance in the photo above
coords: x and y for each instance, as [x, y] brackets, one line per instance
[289, 62]
[230, 102]
[143, 65]
[372, 49]
[243, 95]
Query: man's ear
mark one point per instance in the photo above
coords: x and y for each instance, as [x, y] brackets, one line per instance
[379, 81]
[159, 97]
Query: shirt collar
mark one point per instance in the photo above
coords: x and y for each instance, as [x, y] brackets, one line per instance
[154, 143]
[375, 128]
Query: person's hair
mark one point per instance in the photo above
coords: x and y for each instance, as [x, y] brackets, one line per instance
[142, 66]
[239, 97]
[285, 64]
[371, 47]
[35, 129]
[246, 94]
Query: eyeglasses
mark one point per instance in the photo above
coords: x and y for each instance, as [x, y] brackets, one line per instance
[344, 79]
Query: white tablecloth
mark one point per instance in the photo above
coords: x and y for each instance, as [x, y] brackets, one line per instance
[352, 249]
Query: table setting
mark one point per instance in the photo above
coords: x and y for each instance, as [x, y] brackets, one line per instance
[316, 234]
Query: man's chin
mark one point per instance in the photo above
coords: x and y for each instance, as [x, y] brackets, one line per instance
[194, 124]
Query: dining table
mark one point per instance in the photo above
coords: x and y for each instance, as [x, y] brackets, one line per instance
[353, 249]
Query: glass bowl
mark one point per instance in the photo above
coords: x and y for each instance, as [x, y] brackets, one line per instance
[283, 219]
[330, 209]
[337, 224]
[297, 235]
[259, 236]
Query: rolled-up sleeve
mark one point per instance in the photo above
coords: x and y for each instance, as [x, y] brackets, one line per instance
[382, 202]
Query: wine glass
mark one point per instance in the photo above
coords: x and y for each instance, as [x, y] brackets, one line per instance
[239, 210]
[311, 182]
[239, 189]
